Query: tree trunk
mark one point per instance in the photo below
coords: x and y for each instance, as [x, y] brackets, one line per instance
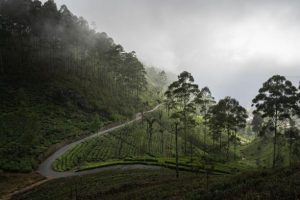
[121, 144]
[205, 149]
[176, 146]
[185, 133]
[206, 179]
[162, 142]
[191, 150]
[290, 153]
[234, 145]
[275, 141]
[228, 143]
[220, 141]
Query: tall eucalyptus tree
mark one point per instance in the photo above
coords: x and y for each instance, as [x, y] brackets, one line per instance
[204, 100]
[275, 101]
[180, 95]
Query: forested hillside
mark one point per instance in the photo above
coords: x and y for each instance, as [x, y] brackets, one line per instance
[60, 79]
[82, 118]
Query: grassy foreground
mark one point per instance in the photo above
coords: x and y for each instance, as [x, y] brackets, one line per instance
[11, 182]
[162, 184]
[120, 184]
[281, 183]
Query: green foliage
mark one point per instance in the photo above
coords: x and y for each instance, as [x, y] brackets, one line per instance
[227, 115]
[96, 123]
[275, 102]
[44, 44]
[257, 123]
[275, 98]
[180, 97]
[31, 122]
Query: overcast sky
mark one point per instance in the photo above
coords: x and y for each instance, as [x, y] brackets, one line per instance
[231, 46]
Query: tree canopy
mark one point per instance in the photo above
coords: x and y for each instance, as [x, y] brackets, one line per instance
[276, 101]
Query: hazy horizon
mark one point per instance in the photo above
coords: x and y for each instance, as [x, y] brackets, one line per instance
[226, 45]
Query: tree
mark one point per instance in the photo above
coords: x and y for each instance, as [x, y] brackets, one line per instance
[176, 148]
[275, 101]
[150, 121]
[205, 100]
[169, 101]
[122, 137]
[216, 123]
[296, 110]
[229, 116]
[257, 123]
[175, 118]
[96, 123]
[240, 116]
[180, 95]
[162, 78]
[161, 130]
[191, 126]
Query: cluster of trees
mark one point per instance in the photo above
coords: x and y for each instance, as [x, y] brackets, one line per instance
[227, 116]
[185, 101]
[43, 43]
[276, 107]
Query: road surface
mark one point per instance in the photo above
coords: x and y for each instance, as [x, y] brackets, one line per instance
[46, 170]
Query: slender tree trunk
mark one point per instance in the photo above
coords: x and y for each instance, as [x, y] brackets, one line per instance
[121, 145]
[220, 141]
[206, 179]
[176, 146]
[205, 148]
[185, 133]
[150, 131]
[290, 153]
[191, 150]
[275, 141]
[234, 145]
[147, 135]
[228, 143]
[162, 142]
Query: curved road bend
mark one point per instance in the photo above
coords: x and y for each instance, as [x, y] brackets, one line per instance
[46, 170]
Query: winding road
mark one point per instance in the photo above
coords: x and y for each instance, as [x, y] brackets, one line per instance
[46, 170]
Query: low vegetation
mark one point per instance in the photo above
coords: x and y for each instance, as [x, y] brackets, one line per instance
[121, 184]
[11, 182]
[281, 184]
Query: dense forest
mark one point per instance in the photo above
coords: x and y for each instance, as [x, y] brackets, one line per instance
[60, 79]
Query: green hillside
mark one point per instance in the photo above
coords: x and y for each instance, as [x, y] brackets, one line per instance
[82, 118]
[61, 83]
[133, 144]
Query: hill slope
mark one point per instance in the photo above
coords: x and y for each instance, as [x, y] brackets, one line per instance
[60, 80]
